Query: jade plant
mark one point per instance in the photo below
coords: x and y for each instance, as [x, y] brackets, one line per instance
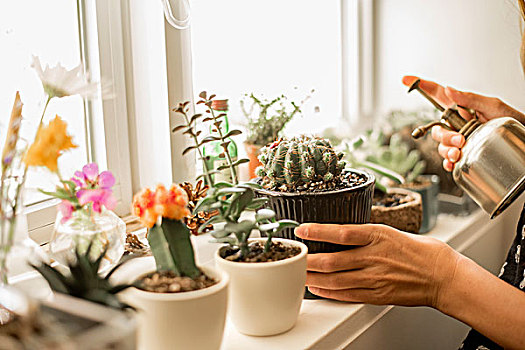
[299, 161]
[267, 118]
[83, 281]
[229, 202]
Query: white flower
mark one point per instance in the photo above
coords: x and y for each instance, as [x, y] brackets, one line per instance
[60, 82]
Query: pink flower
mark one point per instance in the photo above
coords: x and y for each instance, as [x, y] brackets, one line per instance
[106, 180]
[90, 172]
[98, 197]
[66, 209]
[89, 178]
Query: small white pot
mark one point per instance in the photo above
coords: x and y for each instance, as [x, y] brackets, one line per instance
[266, 297]
[188, 320]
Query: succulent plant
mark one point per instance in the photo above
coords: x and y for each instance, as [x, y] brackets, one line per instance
[299, 161]
[84, 281]
[390, 163]
[399, 158]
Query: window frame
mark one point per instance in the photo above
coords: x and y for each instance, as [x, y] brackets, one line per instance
[102, 53]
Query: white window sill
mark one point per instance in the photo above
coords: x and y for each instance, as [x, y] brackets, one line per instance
[325, 324]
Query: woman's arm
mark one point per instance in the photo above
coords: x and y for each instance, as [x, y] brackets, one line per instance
[486, 303]
[389, 267]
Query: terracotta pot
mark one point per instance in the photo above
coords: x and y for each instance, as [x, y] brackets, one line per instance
[253, 152]
[344, 206]
[266, 297]
[176, 320]
[405, 217]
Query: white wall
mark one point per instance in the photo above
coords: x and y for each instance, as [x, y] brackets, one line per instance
[468, 44]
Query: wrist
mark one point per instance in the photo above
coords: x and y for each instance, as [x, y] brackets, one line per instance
[449, 296]
[445, 274]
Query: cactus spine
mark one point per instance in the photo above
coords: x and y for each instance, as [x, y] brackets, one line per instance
[299, 161]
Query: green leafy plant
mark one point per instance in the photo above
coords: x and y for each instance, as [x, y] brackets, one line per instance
[84, 281]
[395, 161]
[267, 118]
[301, 160]
[228, 201]
[190, 128]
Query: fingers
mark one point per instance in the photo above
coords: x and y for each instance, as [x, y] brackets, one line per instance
[339, 234]
[452, 154]
[339, 280]
[357, 295]
[339, 261]
[433, 89]
[447, 138]
[448, 165]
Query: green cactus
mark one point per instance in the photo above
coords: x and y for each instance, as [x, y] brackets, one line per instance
[298, 161]
[171, 246]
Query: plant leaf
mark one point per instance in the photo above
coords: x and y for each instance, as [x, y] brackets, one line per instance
[188, 149]
[232, 133]
[178, 127]
[257, 203]
[264, 214]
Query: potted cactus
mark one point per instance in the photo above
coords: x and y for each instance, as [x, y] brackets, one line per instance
[265, 121]
[255, 266]
[305, 180]
[175, 297]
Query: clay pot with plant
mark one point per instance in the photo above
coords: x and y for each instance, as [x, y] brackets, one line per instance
[393, 206]
[305, 180]
[265, 121]
[255, 266]
[175, 297]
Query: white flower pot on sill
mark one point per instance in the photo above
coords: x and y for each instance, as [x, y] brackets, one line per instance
[189, 320]
[266, 297]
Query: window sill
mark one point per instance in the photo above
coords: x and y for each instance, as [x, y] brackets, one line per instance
[325, 324]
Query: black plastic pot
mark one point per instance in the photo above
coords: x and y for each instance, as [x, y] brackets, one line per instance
[345, 206]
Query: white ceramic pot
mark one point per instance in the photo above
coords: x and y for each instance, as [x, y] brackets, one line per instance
[189, 320]
[266, 297]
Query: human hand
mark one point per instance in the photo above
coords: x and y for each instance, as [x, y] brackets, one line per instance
[487, 108]
[383, 266]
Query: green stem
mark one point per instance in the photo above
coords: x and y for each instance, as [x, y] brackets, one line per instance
[44, 111]
[204, 165]
[268, 243]
[226, 151]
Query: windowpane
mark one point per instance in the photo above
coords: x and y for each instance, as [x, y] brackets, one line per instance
[48, 29]
[270, 47]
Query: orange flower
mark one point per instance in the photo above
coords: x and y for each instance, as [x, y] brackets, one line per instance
[149, 205]
[50, 142]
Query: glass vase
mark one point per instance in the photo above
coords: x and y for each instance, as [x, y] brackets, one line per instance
[105, 231]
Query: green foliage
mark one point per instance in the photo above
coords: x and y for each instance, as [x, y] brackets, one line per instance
[300, 160]
[267, 118]
[394, 161]
[84, 281]
[232, 227]
[190, 128]
[228, 201]
[171, 246]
